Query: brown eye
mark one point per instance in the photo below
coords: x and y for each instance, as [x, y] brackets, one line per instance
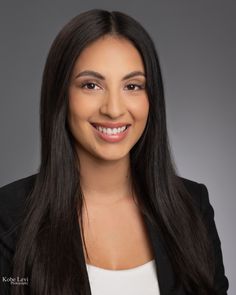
[89, 85]
[135, 87]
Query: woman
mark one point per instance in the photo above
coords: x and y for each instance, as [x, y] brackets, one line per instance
[107, 212]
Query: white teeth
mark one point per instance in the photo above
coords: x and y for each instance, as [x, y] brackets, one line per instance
[111, 131]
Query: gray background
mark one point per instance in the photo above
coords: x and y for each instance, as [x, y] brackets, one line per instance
[196, 45]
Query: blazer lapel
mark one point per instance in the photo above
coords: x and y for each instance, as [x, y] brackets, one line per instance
[165, 273]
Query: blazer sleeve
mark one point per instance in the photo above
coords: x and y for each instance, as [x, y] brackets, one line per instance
[221, 282]
[12, 200]
[6, 253]
[5, 270]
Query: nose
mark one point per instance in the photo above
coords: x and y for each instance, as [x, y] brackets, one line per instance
[113, 105]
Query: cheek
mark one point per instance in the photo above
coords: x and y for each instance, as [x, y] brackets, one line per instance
[76, 115]
[80, 109]
[140, 109]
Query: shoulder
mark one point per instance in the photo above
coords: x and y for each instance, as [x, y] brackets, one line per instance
[13, 195]
[200, 194]
[19, 184]
[198, 191]
[12, 201]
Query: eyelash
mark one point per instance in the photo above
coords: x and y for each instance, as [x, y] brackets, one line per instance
[82, 85]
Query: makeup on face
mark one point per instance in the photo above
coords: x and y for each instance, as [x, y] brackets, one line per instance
[108, 103]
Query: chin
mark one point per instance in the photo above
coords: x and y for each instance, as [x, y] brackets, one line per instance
[112, 156]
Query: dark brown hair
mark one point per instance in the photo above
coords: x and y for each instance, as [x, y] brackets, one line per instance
[49, 249]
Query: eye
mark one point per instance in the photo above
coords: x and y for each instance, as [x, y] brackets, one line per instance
[135, 86]
[89, 85]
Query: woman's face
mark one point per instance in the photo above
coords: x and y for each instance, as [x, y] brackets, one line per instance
[108, 103]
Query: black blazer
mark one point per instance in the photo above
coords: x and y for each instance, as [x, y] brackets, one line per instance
[12, 198]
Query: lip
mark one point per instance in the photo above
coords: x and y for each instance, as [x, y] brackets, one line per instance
[111, 138]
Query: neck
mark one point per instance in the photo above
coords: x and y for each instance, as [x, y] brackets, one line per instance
[105, 182]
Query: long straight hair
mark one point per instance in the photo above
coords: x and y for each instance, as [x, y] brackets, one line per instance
[49, 249]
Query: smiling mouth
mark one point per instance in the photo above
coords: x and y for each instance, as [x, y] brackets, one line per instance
[111, 131]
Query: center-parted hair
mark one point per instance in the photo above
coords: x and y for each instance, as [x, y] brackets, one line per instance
[49, 250]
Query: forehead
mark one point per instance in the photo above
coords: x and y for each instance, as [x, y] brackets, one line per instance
[110, 54]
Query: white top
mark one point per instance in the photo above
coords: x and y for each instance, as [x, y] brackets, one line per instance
[139, 280]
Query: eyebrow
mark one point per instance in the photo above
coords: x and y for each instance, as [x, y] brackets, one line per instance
[99, 76]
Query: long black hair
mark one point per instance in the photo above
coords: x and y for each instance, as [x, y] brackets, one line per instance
[49, 249]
